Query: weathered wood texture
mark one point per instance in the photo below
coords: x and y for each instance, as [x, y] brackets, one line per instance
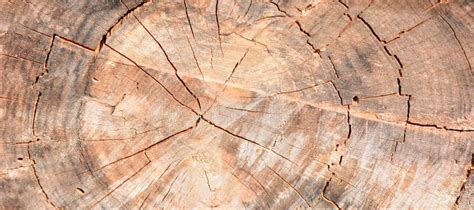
[236, 104]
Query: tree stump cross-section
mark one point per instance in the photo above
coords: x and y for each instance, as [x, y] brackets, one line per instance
[284, 104]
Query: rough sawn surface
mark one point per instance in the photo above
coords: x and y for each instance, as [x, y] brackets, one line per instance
[236, 104]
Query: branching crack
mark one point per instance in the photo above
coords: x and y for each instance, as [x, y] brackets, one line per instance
[171, 63]
[153, 78]
[254, 41]
[395, 57]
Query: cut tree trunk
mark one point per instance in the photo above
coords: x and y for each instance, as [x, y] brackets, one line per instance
[236, 104]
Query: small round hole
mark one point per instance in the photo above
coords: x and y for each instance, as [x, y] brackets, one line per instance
[355, 99]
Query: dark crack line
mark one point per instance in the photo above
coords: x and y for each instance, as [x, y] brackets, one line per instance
[248, 110]
[195, 59]
[406, 30]
[407, 119]
[207, 181]
[153, 78]
[291, 186]
[253, 178]
[218, 26]
[148, 147]
[370, 28]
[333, 67]
[169, 189]
[302, 30]
[343, 4]
[121, 184]
[394, 56]
[135, 135]
[439, 127]
[118, 23]
[254, 41]
[246, 139]
[35, 113]
[171, 63]
[21, 58]
[459, 42]
[279, 9]
[161, 175]
[189, 19]
[235, 67]
[323, 194]
[463, 186]
[248, 8]
[35, 173]
[338, 93]
[349, 133]
[72, 42]
[301, 89]
[340, 32]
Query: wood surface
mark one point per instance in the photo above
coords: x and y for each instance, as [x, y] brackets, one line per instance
[284, 104]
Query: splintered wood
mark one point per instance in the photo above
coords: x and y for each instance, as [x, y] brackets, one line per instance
[236, 104]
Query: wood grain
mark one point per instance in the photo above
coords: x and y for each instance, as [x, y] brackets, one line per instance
[236, 104]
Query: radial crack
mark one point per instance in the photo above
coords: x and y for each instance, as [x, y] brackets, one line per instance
[291, 186]
[235, 66]
[171, 63]
[148, 147]
[189, 20]
[246, 139]
[218, 26]
[153, 78]
[121, 184]
[195, 59]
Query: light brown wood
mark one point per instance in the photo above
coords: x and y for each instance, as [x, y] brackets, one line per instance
[236, 104]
